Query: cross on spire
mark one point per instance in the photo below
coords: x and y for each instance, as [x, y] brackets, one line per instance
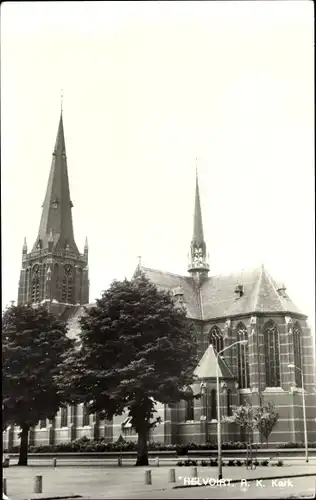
[61, 99]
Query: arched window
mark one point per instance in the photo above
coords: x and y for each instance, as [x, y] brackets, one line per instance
[242, 357]
[42, 423]
[229, 402]
[213, 405]
[64, 417]
[85, 416]
[189, 404]
[271, 354]
[216, 339]
[297, 332]
[67, 286]
[35, 284]
[189, 409]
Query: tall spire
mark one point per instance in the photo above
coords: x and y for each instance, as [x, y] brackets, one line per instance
[198, 236]
[56, 220]
[198, 259]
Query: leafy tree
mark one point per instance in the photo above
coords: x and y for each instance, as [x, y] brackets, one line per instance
[136, 348]
[245, 417]
[262, 418]
[267, 418]
[33, 342]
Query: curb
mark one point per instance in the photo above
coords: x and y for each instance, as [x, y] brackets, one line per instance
[55, 498]
[250, 479]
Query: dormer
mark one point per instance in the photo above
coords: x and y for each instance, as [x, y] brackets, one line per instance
[281, 289]
[239, 290]
[178, 294]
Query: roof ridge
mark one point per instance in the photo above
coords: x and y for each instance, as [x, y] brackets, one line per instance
[256, 298]
[274, 289]
[235, 272]
[165, 272]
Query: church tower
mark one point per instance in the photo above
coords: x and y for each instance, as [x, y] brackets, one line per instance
[55, 271]
[198, 260]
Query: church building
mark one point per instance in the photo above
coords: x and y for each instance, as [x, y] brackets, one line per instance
[225, 309]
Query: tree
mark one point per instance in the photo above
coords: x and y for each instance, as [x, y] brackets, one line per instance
[33, 342]
[136, 348]
[262, 418]
[245, 417]
[267, 418]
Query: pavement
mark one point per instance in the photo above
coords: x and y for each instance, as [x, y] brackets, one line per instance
[102, 482]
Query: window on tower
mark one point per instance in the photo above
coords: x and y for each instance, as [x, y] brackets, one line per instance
[35, 289]
[242, 357]
[216, 339]
[67, 286]
[297, 332]
[271, 354]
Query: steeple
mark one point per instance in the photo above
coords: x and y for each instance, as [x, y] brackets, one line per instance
[56, 220]
[54, 271]
[198, 264]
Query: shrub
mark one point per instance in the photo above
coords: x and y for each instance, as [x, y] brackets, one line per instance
[231, 463]
[279, 463]
[180, 463]
[213, 462]
[239, 463]
[265, 463]
[204, 463]
[181, 449]
[190, 463]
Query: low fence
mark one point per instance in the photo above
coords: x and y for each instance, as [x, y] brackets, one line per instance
[262, 453]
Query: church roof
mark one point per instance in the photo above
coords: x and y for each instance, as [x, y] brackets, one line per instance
[216, 298]
[207, 366]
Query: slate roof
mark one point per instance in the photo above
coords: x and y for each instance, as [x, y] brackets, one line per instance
[217, 298]
[207, 366]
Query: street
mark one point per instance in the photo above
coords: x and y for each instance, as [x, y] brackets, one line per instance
[101, 482]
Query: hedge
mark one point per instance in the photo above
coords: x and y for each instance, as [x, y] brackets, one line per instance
[229, 463]
[86, 445]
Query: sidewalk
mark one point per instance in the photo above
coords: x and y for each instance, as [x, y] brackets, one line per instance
[101, 482]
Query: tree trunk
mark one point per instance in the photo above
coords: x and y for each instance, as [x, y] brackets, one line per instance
[142, 446]
[24, 445]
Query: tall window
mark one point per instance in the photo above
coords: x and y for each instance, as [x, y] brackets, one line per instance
[35, 284]
[42, 423]
[297, 353]
[271, 353]
[85, 416]
[229, 402]
[216, 339]
[64, 417]
[67, 285]
[242, 357]
[72, 414]
[189, 409]
[213, 405]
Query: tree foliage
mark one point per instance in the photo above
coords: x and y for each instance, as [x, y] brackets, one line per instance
[267, 418]
[262, 418]
[136, 348]
[33, 343]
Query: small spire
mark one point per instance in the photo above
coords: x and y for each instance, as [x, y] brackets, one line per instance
[86, 244]
[24, 250]
[139, 260]
[50, 237]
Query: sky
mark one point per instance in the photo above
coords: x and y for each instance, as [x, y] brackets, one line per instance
[149, 87]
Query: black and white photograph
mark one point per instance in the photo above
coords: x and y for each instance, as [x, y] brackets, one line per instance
[158, 250]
